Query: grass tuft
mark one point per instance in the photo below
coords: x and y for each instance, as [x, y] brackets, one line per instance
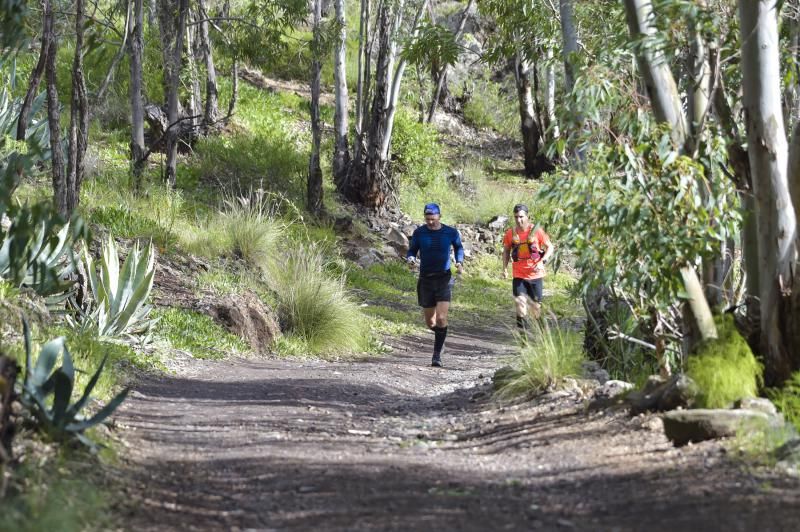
[551, 354]
[314, 304]
[198, 334]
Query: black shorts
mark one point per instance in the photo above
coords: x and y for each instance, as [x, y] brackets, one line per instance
[531, 287]
[433, 288]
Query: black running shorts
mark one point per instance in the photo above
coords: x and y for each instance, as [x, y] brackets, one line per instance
[433, 288]
[531, 287]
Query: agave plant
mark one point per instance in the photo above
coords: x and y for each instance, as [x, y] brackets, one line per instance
[40, 259]
[59, 417]
[120, 296]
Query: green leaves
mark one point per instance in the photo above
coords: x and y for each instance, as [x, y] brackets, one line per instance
[639, 211]
[47, 394]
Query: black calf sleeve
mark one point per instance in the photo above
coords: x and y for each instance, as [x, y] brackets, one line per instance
[440, 333]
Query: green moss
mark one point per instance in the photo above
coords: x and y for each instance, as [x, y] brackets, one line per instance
[725, 369]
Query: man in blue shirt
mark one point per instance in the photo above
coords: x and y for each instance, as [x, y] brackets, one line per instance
[433, 242]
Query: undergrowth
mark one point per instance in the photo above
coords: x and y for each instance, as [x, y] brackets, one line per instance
[787, 399]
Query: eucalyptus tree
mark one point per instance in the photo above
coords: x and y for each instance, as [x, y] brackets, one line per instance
[441, 76]
[36, 74]
[314, 188]
[523, 29]
[341, 149]
[211, 109]
[138, 148]
[369, 181]
[776, 184]
[53, 106]
[172, 22]
[78, 123]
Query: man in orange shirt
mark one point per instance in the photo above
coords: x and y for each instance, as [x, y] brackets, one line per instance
[529, 248]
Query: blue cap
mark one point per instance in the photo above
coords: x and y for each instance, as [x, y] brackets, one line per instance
[432, 208]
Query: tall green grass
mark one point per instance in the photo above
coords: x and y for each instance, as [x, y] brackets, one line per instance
[550, 354]
[314, 304]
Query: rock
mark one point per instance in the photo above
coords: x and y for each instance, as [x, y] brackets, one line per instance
[370, 258]
[592, 370]
[498, 223]
[396, 237]
[343, 224]
[759, 404]
[684, 426]
[660, 394]
[248, 317]
[609, 394]
[408, 229]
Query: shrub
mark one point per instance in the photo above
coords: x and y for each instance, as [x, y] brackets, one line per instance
[549, 355]
[416, 151]
[724, 369]
[314, 304]
[787, 399]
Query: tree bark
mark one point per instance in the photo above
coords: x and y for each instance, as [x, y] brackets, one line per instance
[550, 97]
[137, 102]
[36, 75]
[211, 111]
[767, 150]
[234, 89]
[172, 70]
[78, 123]
[54, 114]
[192, 52]
[654, 69]
[341, 153]
[529, 126]
[314, 190]
[569, 37]
[397, 79]
[440, 80]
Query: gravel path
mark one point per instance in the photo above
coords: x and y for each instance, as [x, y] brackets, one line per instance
[392, 444]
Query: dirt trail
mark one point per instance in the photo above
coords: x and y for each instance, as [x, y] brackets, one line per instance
[392, 444]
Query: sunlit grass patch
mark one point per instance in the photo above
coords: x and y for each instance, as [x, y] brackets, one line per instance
[390, 281]
[315, 305]
[198, 334]
[549, 355]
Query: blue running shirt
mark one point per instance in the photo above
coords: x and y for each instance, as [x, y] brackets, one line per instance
[434, 248]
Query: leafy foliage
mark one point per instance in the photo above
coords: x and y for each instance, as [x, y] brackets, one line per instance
[59, 418]
[725, 369]
[120, 296]
[417, 151]
[639, 212]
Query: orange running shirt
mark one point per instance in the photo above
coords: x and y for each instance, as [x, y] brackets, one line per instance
[529, 254]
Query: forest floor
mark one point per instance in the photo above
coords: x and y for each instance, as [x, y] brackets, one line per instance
[393, 444]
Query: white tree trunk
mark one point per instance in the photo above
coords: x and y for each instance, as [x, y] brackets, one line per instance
[654, 68]
[550, 96]
[394, 95]
[569, 36]
[767, 150]
[341, 155]
[137, 103]
[314, 189]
